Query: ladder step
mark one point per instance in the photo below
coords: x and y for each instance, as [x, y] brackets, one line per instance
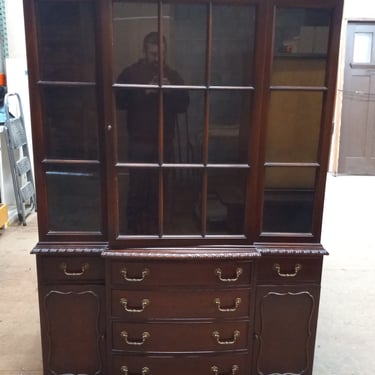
[16, 133]
[23, 166]
[27, 191]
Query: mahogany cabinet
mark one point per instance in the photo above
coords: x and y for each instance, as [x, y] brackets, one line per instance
[181, 150]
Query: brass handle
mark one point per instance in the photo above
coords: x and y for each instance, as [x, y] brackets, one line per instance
[232, 341]
[218, 272]
[277, 268]
[64, 267]
[237, 302]
[145, 336]
[125, 371]
[124, 303]
[215, 370]
[124, 273]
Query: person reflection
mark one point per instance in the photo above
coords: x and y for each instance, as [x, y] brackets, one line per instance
[142, 119]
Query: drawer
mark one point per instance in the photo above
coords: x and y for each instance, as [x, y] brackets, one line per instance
[180, 337]
[228, 364]
[181, 303]
[289, 270]
[225, 273]
[78, 268]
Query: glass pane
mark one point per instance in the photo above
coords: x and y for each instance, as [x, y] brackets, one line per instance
[226, 190]
[294, 126]
[229, 126]
[185, 29]
[301, 45]
[137, 119]
[138, 196]
[67, 40]
[182, 189]
[232, 46]
[136, 59]
[74, 199]
[362, 48]
[288, 199]
[70, 122]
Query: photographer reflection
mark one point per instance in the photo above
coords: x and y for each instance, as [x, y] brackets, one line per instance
[142, 121]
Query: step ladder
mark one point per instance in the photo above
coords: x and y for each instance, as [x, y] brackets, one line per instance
[19, 158]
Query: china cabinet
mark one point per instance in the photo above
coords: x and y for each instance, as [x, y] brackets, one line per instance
[181, 151]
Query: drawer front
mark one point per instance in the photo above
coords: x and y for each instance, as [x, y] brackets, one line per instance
[181, 303]
[180, 337]
[289, 270]
[232, 364]
[71, 268]
[181, 273]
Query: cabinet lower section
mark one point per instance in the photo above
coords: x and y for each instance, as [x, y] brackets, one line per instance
[241, 312]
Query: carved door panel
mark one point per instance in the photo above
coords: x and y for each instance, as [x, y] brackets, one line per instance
[73, 329]
[285, 325]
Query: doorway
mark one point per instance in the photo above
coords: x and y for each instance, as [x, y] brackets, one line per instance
[357, 139]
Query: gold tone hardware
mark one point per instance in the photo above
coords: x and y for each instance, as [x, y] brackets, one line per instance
[237, 302]
[145, 336]
[124, 273]
[215, 370]
[218, 272]
[277, 268]
[64, 267]
[216, 334]
[124, 303]
[124, 370]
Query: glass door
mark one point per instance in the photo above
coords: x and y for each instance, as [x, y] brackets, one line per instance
[183, 87]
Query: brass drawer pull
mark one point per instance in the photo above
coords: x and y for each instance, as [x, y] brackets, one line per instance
[232, 341]
[215, 370]
[237, 302]
[64, 268]
[218, 272]
[124, 303]
[145, 272]
[277, 268]
[145, 336]
[125, 371]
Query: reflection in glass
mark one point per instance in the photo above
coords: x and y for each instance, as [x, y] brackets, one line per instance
[232, 47]
[185, 28]
[182, 189]
[70, 122]
[294, 126]
[301, 45]
[74, 202]
[226, 190]
[229, 126]
[66, 40]
[138, 196]
[131, 23]
[137, 121]
[288, 199]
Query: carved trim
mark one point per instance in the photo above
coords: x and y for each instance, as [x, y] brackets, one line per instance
[183, 254]
[68, 250]
[291, 251]
[309, 332]
[99, 335]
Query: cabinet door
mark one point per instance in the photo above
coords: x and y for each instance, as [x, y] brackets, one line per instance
[72, 321]
[285, 326]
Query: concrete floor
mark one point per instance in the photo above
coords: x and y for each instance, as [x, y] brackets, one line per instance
[346, 332]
